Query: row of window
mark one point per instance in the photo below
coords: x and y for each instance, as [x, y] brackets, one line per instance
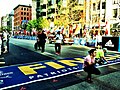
[22, 18]
[17, 23]
[25, 13]
[22, 13]
[24, 8]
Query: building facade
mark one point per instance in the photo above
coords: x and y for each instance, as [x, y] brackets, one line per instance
[34, 8]
[87, 14]
[22, 14]
[11, 22]
[4, 21]
[102, 14]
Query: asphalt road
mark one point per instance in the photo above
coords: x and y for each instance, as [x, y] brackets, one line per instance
[22, 51]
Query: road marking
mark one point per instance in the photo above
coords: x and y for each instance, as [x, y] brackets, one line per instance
[54, 56]
[2, 60]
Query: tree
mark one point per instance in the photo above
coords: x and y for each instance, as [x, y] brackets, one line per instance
[43, 23]
[34, 23]
[69, 13]
[38, 24]
[29, 26]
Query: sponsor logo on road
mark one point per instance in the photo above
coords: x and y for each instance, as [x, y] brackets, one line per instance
[13, 76]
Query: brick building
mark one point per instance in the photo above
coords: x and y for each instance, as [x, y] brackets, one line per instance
[22, 14]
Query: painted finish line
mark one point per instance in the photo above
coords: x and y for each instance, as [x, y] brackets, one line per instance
[13, 76]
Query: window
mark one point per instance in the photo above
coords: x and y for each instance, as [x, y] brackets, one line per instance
[21, 13]
[21, 8]
[21, 18]
[43, 13]
[44, 6]
[27, 14]
[38, 3]
[115, 13]
[103, 5]
[24, 18]
[52, 10]
[27, 18]
[94, 7]
[24, 13]
[98, 6]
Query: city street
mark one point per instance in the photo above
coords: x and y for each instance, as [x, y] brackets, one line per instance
[22, 52]
[71, 30]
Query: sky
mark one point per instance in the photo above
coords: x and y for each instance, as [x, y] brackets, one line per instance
[6, 6]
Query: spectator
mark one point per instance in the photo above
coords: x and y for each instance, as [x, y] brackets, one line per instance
[43, 40]
[58, 41]
[38, 40]
[6, 41]
[98, 40]
[89, 65]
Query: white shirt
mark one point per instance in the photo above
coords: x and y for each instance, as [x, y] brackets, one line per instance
[59, 40]
[99, 38]
[5, 36]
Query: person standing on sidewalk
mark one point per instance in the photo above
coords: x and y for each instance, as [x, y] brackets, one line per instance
[58, 41]
[89, 65]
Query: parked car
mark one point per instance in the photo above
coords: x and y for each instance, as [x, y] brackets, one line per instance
[68, 40]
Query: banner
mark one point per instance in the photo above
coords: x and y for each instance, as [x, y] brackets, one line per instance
[111, 43]
[12, 76]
